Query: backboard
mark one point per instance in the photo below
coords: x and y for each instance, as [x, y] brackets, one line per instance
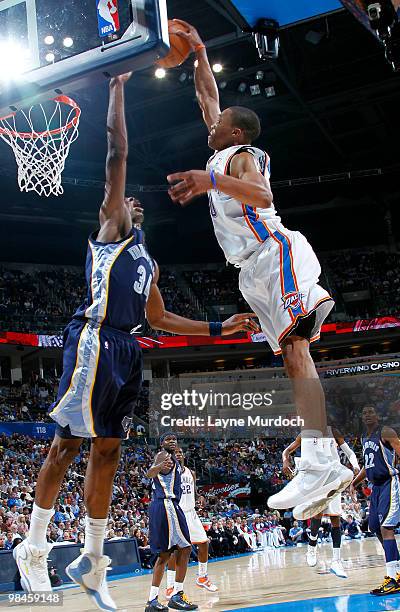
[285, 12]
[53, 47]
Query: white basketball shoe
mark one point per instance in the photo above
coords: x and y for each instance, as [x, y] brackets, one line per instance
[310, 508]
[338, 569]
[311, 556]
[312, 482]
[32, 565]
[91, 574]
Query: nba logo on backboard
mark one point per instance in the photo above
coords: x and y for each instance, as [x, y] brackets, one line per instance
[107, 16]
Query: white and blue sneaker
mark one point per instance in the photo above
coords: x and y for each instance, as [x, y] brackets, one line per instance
[90, 573]
[338, 569]
[32, 565]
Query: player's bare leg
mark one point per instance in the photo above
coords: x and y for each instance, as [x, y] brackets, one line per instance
[153, 605]
[89, 570]
[318, 477]
[31, 554]
[203, 580]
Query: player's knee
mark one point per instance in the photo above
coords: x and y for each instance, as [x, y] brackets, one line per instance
[106, 452]
[62, 454]
[296, 356]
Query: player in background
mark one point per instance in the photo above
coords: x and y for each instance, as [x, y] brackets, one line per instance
[102, 370]
[168, 528]
[279, 270]
[380, 446]
[333, 509]
[197, 532]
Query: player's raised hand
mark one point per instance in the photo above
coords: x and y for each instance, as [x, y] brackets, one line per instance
[167, 463]
[190, 34]
[188, 185]
[240, 323]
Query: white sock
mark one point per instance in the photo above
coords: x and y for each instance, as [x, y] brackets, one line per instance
[170, 578]
[178, 587]
[153, 593]
[40, 519]
[336, 554]
[327, 444]
[202, 569]
[312, 446]
[95, 531]
[391, 569]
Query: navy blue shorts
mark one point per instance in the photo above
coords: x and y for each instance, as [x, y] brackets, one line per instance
[167, 526]
[102, 376]
[384, 509]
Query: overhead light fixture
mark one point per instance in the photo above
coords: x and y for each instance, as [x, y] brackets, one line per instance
[217, 68]
[50, 57]
[222, 84]
[68, 42]
[49, 39]
[242, 87]
[259, 75]
[255, 90]
[270, 91]
[160, 73]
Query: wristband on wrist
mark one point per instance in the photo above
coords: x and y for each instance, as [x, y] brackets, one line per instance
[213, 179]
[199, 47]
[215, 328]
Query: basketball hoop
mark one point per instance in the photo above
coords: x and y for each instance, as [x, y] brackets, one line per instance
[41, 155]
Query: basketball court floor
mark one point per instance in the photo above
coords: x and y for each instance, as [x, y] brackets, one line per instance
[276, 580]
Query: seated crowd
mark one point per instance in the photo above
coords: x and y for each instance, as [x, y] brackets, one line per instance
[43, 300]
[233, 525]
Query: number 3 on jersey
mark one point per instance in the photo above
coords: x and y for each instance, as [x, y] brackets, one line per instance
[142, 285]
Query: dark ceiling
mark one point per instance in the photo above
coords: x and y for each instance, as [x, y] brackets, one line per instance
[336, 109]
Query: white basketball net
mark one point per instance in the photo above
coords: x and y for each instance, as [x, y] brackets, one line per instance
[41, 155]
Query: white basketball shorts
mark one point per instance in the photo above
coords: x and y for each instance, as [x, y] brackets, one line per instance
[196, 530]
[280, 283]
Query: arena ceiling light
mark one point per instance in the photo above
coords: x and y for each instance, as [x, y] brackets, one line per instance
[50, 57]
[68, 42]
[14, 60]
[217, 68]
[160, 73]
[242, 87]
[49, 39]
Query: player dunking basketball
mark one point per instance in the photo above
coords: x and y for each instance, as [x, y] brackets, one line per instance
[102, 370]
[279, 270]
[333, 509]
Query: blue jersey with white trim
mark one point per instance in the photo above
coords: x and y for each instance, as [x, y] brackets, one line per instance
[240, 228]
[119, 276]
[379, 458]
[168, 486]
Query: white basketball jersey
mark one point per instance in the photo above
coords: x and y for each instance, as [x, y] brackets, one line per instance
[187, 502]
[239, 227]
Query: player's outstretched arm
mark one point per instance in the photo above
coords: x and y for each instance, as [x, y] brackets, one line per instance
[206, 87]
[245, 183]
[161, 319]
[390, 435]
[115, 219]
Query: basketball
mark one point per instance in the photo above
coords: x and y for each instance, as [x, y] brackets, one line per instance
[180, 48]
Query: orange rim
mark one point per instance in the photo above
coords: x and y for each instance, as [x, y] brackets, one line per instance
[30, 136]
